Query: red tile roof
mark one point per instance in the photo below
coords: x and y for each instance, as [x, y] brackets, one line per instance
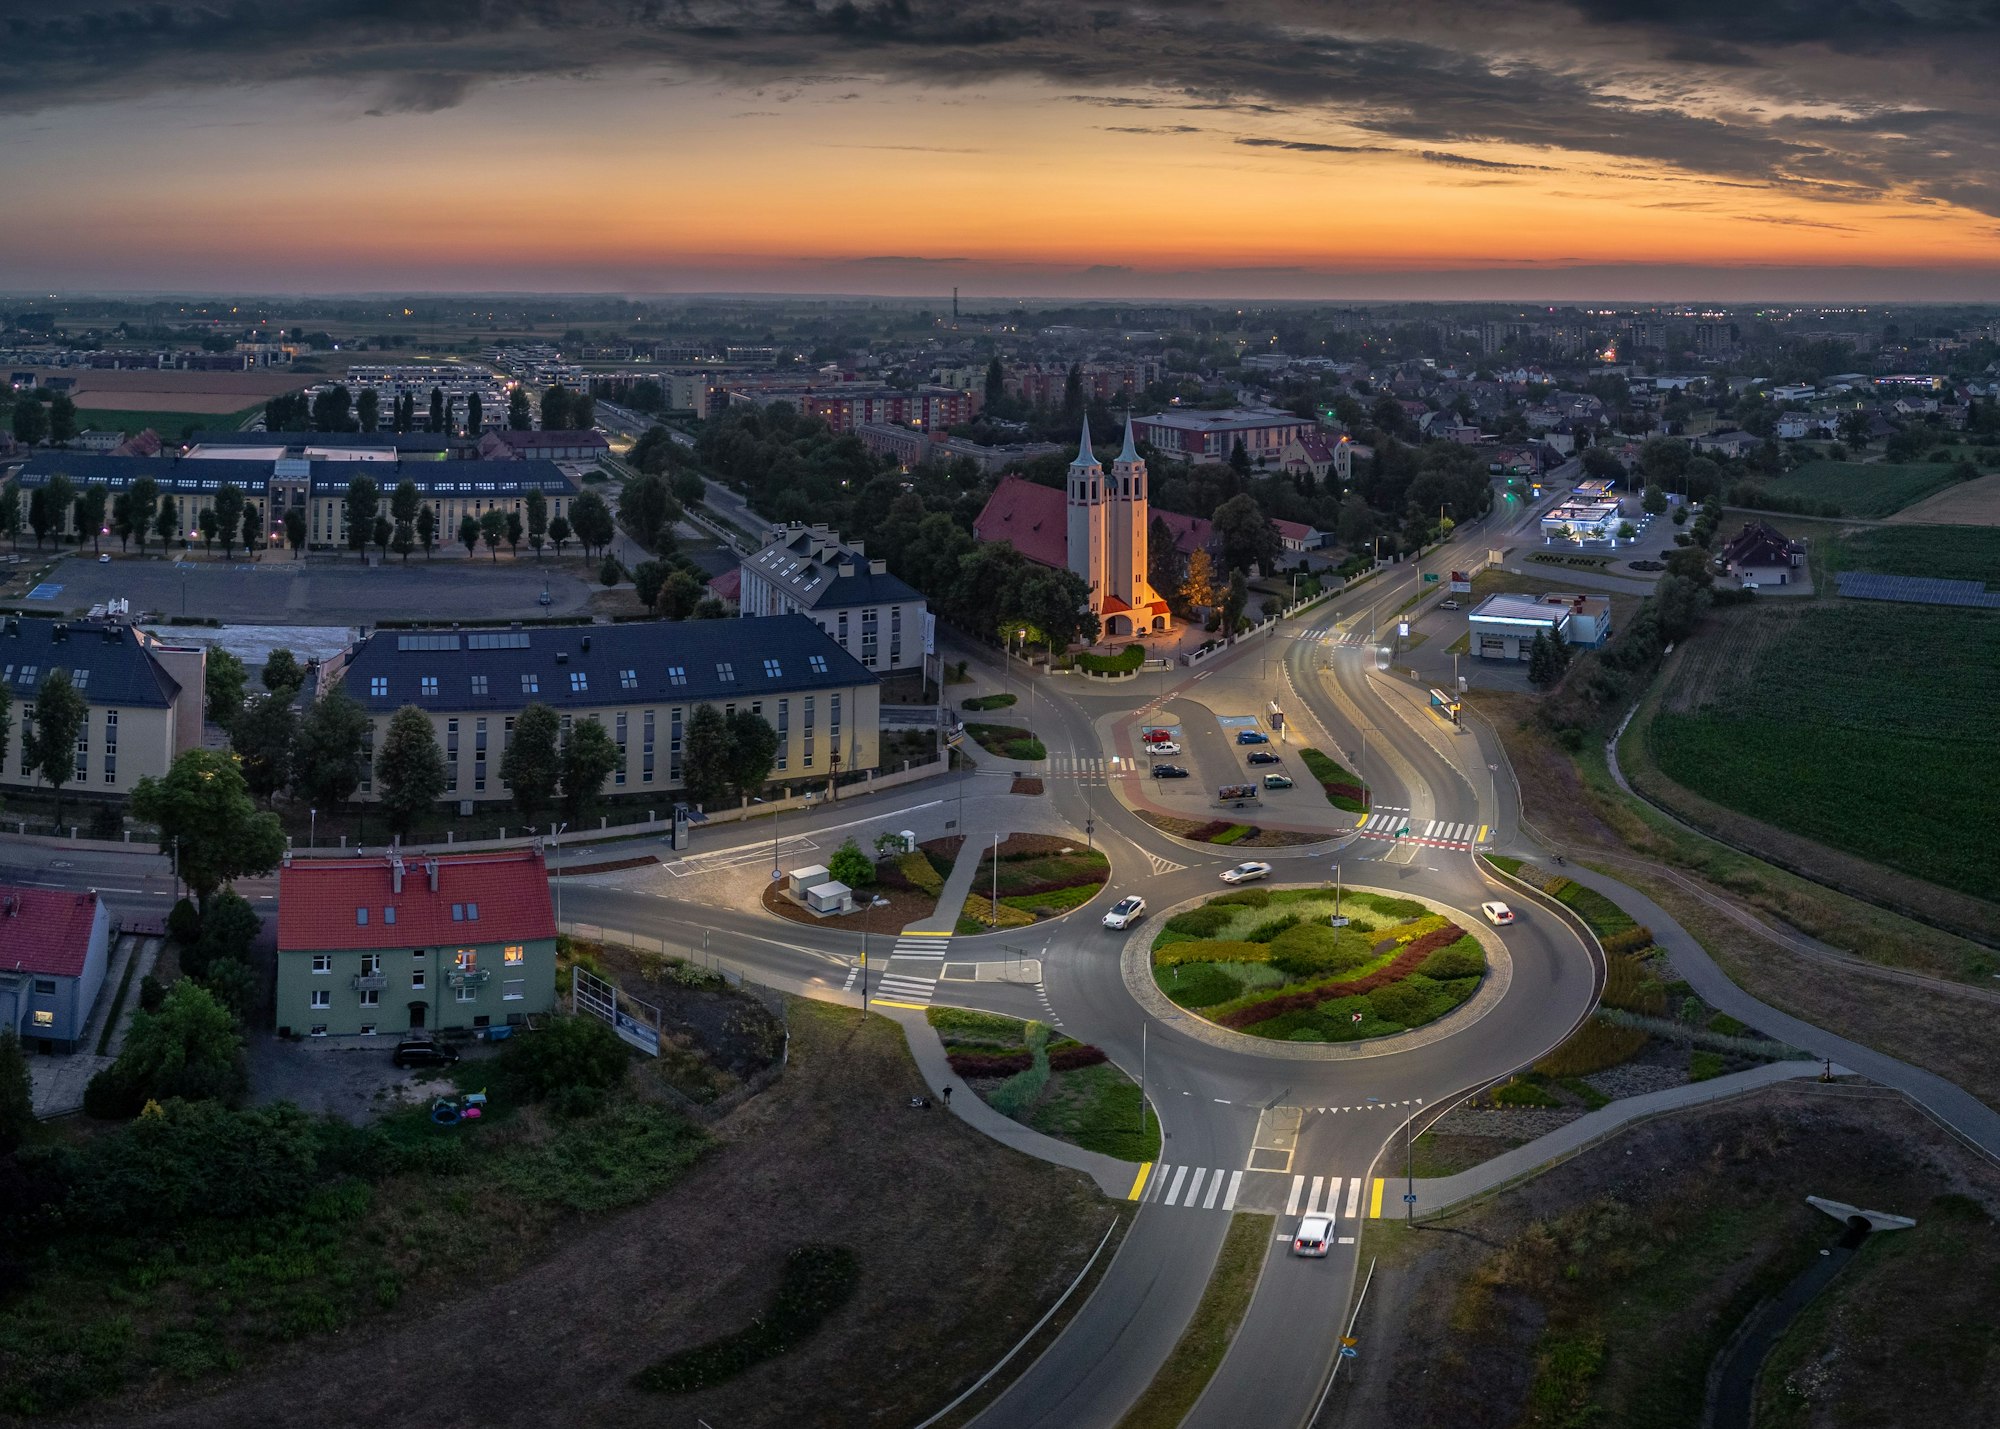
[729, 585]
[317, 899]
[1035, 519]
[44, 931]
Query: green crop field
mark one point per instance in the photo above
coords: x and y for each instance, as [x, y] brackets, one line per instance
[1864, 725]
[1958, 553]
[170, 425]
[1862, 488]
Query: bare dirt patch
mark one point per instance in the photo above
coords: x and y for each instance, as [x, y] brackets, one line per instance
[831, 1154]
[1600, 1291]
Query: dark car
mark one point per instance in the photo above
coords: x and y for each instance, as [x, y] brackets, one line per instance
[424, 1053]
[1169, 771]
[1252, 736]
[1264, 756]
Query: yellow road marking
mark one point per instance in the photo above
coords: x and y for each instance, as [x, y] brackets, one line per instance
[1375, 1200]
[908, 934]
[884, 1002]
[1360, 821]
[1139, 1181]
[1482, 835]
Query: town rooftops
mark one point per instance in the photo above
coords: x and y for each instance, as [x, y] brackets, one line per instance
[543, 441]
[1232, 419]
[410, 901]
[107, 663]
[1762, 544]
[45, 930]
[590, 666]
[177, 476]
[413, 442]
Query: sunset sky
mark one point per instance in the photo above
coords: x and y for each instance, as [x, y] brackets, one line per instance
[1263, 148]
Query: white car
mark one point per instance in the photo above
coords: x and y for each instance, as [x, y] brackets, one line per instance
[1498, 914]
[1125, 912]
[1314, 1236]
[1162, 748]
[1245, 872]
[104, 558]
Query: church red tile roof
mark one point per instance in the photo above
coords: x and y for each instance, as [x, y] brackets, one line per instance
[1035, 519]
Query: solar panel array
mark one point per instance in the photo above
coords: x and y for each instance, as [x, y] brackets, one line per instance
[1916, 590]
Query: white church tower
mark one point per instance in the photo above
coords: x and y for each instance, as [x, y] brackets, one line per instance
[1109, 519]
[1087, 518]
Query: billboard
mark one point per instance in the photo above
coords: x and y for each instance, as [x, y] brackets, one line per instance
[1461, 583]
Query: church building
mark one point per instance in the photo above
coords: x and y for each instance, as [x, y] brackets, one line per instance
[1108, 521]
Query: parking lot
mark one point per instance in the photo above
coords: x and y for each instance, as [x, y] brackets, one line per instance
[317, 591]
[1213, 758]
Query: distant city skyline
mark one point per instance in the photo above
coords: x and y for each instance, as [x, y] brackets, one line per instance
[1562, 150]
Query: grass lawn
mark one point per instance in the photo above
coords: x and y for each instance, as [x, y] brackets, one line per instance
[1269, 964]
[170, 425]
[1093, 1105]
[1861, 488]
[1007, 740]
[1960, 553]
[1198, 1353]
[1343, 790]
[1893, 735]
[830, 1155]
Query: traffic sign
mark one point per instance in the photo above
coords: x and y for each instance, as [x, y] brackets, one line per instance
[1348, 1352]
[1409, 1198]
[1403, 831]
[1349, 1340]
[1430, 577]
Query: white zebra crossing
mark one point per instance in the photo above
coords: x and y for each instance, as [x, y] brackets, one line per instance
[1071, 766]
[1166, 1184]
[1321, 1196]
[912, 971]
[1434, 833]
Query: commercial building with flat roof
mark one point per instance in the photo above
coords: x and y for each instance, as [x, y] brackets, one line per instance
[1504, 627]
[1211, 436]
[642, 681]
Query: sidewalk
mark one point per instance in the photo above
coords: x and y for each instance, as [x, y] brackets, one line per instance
[1956, 1108]
[963, 870]
[57, 1083]
[1113, 1177]
[1441, 1193]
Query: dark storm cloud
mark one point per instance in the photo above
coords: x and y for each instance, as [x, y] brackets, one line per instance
[1806, 95]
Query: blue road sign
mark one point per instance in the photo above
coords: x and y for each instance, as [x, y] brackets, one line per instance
[1348, 1352]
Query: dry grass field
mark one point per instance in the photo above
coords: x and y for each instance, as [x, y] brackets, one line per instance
[167, 390]
[1970, 503]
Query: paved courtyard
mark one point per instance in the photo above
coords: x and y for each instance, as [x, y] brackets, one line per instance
[281, 591]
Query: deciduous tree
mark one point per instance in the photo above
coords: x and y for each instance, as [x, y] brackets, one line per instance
[203, 802]
[588, 757]
[531, 765]
[327, 759]
[409, 769]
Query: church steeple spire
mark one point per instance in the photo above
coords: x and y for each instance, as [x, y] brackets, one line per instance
[1131, 452]
[1084, 455]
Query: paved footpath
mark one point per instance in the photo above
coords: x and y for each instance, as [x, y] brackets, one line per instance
[1956, 1108]
[1438, 1193]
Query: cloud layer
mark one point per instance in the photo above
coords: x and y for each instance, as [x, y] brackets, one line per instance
[1831, 99]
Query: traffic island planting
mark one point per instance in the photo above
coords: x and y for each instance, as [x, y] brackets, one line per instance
[1228, 833]
[1270, 963]
[1040, 876]
[1009, 741]
[1343, 790]
[1056, 1085]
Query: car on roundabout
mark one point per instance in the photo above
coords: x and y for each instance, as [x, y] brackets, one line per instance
[1314, 1237]
[1169, 771]
[1125, 912]
[1498, 914]
[1247, 872]
[1264, 756]
[1163, 746]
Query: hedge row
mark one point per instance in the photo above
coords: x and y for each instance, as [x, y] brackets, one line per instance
[817, 1281]
[990, 1064]
[1395, 970]
[1068, 1059]
[1123, 663]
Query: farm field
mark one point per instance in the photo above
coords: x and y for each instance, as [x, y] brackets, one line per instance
[1862, 488]
[172, 426]
[1853, 723]
[172, 389]
[1964, 553]
[1970, 503]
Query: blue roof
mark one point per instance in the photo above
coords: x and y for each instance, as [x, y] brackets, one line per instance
[106, 662]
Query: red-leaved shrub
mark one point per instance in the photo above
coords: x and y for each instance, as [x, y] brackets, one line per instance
[1395, 970]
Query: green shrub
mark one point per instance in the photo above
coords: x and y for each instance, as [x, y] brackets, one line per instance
[988, 702]
[1199, 985]
[1593, 1047]
[1390, 907]
[1203, 922]
[194, 1160]
[1235, 834]
[1242, 898]
[1265, 932]
[184, 922]
[1728, 1026]
[1702, 1066]
[190, 1048]
[851, 866]
[1124, 662]
[1315, 950]
[1632, 940]
[1464, 958]
[569, 1052]
[1407, 1002]
[817, 1281]
[1055, 900]
[1628, 987]
[1520, 1093]
[983, 1026]
[152, 992]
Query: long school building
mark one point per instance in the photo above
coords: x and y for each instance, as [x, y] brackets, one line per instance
[641, 681]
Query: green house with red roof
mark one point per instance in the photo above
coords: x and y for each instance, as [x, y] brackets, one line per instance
[388, 945]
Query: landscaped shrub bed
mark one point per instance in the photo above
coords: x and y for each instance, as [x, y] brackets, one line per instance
[1123, 663]
[1593, 1047]
[988, 702]
[1606, 919]
[1059, 1087]
[1009, 741]
[1343, 789]
[1040, 875]
[1268, 962]
[1241, 835]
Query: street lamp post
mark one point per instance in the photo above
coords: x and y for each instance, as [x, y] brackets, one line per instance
[555, 833]
[996, 880]
[312, 828]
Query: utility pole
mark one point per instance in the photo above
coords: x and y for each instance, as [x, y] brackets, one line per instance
[1144, 1028]
[864, 970]
[996, 880]
[1409, 1173]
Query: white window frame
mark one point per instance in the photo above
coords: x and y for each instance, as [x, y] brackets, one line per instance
[322, 964]
[321, 998]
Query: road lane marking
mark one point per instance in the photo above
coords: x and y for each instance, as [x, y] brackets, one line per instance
[1235, 1181]
[1174, 1191]
[1292, 1201]
[1214, 1190]
[1139, 1181]
[1194, 1186]
[1375, 1200]
[1312, 1196]
[1354, 1199]
[914, 933]
[1482, 834]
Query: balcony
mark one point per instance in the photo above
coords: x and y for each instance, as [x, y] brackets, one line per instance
[467, 977]
[371, 982]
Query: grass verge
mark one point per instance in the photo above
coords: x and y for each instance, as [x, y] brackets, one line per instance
[1194, 1359]
[118, 1000]
[1055, 1086]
